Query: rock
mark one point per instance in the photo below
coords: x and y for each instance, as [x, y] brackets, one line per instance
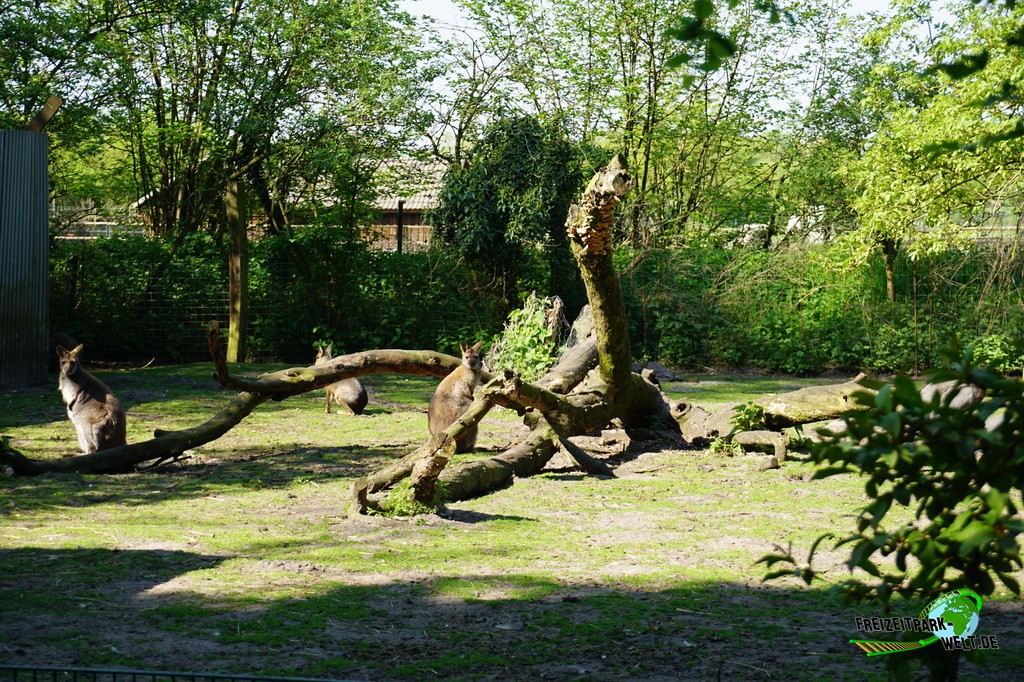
[813, 432]
[768, 463]
[764, 441]
[964, 396]
[995, 421]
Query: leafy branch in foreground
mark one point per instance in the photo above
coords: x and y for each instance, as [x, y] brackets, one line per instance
[960, 470]
[699, 31]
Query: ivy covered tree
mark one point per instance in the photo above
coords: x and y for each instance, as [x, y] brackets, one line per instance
[505, 211]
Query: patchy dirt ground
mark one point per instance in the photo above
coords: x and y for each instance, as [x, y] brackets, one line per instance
[241, 560]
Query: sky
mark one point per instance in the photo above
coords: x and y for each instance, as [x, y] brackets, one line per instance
[446, 12]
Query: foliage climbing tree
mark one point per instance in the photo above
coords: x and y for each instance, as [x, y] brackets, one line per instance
[505, 212]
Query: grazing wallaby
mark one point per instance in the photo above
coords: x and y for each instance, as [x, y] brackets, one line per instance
[347, 392]
[455, 394]
[97, 415]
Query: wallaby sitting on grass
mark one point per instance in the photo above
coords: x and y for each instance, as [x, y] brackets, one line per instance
[96, 413]
[347, 392]
[455, 394]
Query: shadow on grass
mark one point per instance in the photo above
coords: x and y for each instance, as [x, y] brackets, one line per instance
[31, 406]
[469, 516]
[171, 610]
[188, 479]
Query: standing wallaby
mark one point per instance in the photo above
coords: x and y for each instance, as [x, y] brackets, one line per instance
[347, 392]
[97, 415]
[455, 394]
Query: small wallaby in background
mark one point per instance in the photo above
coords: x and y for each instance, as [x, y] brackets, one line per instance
[96, 413]
[347, 392]
[455, 394]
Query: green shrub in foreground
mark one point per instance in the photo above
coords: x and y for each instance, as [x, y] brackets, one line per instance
[962, 471]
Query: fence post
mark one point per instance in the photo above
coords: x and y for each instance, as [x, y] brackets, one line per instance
[398, 228]
[238, 270]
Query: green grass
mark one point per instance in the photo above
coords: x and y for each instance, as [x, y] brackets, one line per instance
[240, 558]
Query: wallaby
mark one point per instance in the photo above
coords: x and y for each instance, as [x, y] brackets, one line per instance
[347, 392]
[454, 395]
[96, 413]
[58, 339]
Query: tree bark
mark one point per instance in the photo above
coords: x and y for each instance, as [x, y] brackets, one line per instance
[238, 269]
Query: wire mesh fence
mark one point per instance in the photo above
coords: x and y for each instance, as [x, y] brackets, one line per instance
[14, 673]
[126, 300]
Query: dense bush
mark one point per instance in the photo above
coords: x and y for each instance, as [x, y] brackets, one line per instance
[808, 309]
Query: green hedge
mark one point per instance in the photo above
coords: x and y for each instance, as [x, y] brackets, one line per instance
[806, 309]
[102, 294]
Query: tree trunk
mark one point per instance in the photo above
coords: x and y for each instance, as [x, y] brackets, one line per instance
[889, 249]
[553, 413]
[803, 406]
[275, 386]
[238, 269]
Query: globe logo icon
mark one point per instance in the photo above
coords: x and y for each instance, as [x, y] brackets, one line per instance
[959, 611]
[952, 619]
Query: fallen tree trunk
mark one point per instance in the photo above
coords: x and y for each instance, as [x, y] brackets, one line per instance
[810, 404]
[559, 406]
[274, 386]
[804, 406]
[163, 446]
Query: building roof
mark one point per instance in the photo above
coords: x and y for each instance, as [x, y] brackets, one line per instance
[413, 181]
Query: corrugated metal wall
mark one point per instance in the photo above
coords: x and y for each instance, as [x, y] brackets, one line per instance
[24, 251]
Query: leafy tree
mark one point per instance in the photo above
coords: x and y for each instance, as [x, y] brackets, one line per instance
[506, 211]
[213, 90]
[919, 189]
[705, 144]
[468, 89]
[55, 48]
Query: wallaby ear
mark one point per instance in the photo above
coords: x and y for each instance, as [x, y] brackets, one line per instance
[61, 351]
[476, 347]
[330, 348]
[77, 349]
[464, 346]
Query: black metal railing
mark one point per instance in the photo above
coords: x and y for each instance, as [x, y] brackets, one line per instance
[19, 673]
